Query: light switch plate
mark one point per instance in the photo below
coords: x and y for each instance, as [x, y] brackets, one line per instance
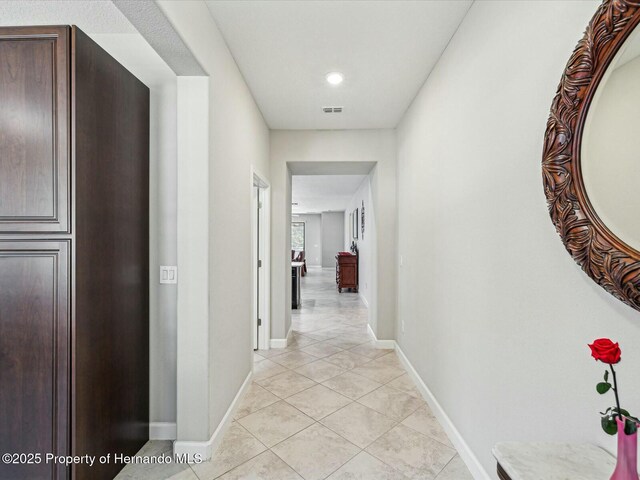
[168, 274]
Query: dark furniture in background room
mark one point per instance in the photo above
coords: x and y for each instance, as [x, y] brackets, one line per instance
[347, 271]
[297, 269]
[74, 250]
[299, 257]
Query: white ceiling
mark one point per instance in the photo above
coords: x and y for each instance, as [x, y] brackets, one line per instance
[92, 16]
[385, 49]
[323, 193]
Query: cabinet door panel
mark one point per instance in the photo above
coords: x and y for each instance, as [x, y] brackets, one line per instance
[34, 130]
[34, 359]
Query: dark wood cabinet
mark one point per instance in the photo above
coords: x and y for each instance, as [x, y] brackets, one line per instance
[347, 272]
[74, 236]
[34, 129]
[34, 354]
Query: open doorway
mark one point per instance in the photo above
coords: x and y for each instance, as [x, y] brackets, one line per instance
[331, 259]
[260, 262]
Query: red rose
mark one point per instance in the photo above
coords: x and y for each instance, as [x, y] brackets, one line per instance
[606, 351]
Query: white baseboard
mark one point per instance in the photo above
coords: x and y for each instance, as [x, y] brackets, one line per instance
[467, 455]
[387, 344]
[282, 342]
[364, 300]
[163, 431]
[278, 343]
[206, 448]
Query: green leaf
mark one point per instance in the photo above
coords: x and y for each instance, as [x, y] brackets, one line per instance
[621, 412]
[609, 425]
[630, 427]
[606, 375]
[603, 387]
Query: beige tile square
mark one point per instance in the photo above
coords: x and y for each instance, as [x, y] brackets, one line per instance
[365, 467]
[321, 349]
[293, 359]
[266, 466]
[423, 421]
[406, 385]
[300, 340]
[347, 360]
[455, 470]
[391, 402]
[318, 401]
[266, 369]
[319, 370]
[159, 471]
[257, 358]
[315, 452]
[237, 446]
[351, 385]
[379, 373]
[286, 384]
[255, 399]
[411, 453]
[370, 350]
[358, 424]
[275, 423]
[390, 359]
[272, 352]
[349, 341]
[322, 335]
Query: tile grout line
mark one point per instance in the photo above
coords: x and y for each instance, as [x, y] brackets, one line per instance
[357, 400]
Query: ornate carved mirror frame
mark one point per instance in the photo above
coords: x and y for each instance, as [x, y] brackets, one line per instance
[609, 261]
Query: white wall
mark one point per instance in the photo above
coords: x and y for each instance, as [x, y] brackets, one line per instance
[313, 237]
[336, 147]
[332, 237]
[367, 243]
[611, 144]
[238, 141]
[497, 315]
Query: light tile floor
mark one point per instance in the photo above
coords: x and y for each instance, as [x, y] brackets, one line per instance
[330, 405]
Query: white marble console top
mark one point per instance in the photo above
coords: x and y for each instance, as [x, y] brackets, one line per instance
[554, 461]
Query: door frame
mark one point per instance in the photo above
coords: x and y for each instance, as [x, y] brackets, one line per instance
[261, 307]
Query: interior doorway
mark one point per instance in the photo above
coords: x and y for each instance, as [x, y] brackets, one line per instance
[260, 208]
[334, 258]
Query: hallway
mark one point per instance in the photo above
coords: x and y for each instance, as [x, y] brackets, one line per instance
[330, 405]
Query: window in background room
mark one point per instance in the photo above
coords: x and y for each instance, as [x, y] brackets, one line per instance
[297, 236]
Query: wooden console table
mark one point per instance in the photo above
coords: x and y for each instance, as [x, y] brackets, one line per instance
[552, 461]
[347, 272]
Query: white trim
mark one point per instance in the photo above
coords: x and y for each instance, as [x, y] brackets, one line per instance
[192, 330]
[163, 431]
[467, 455]
[388, 344]
[364, 300]
[202, 451]
[278, 343]
[264, 279]
[282, 342]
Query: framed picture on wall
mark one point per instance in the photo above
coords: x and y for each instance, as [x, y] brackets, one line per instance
[355, 224]
[351, 225]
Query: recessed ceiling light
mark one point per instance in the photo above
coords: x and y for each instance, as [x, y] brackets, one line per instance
[335, 78]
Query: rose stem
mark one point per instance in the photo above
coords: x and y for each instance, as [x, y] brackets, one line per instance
[615, 390]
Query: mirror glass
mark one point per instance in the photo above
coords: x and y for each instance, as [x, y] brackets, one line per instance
[610, 150]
